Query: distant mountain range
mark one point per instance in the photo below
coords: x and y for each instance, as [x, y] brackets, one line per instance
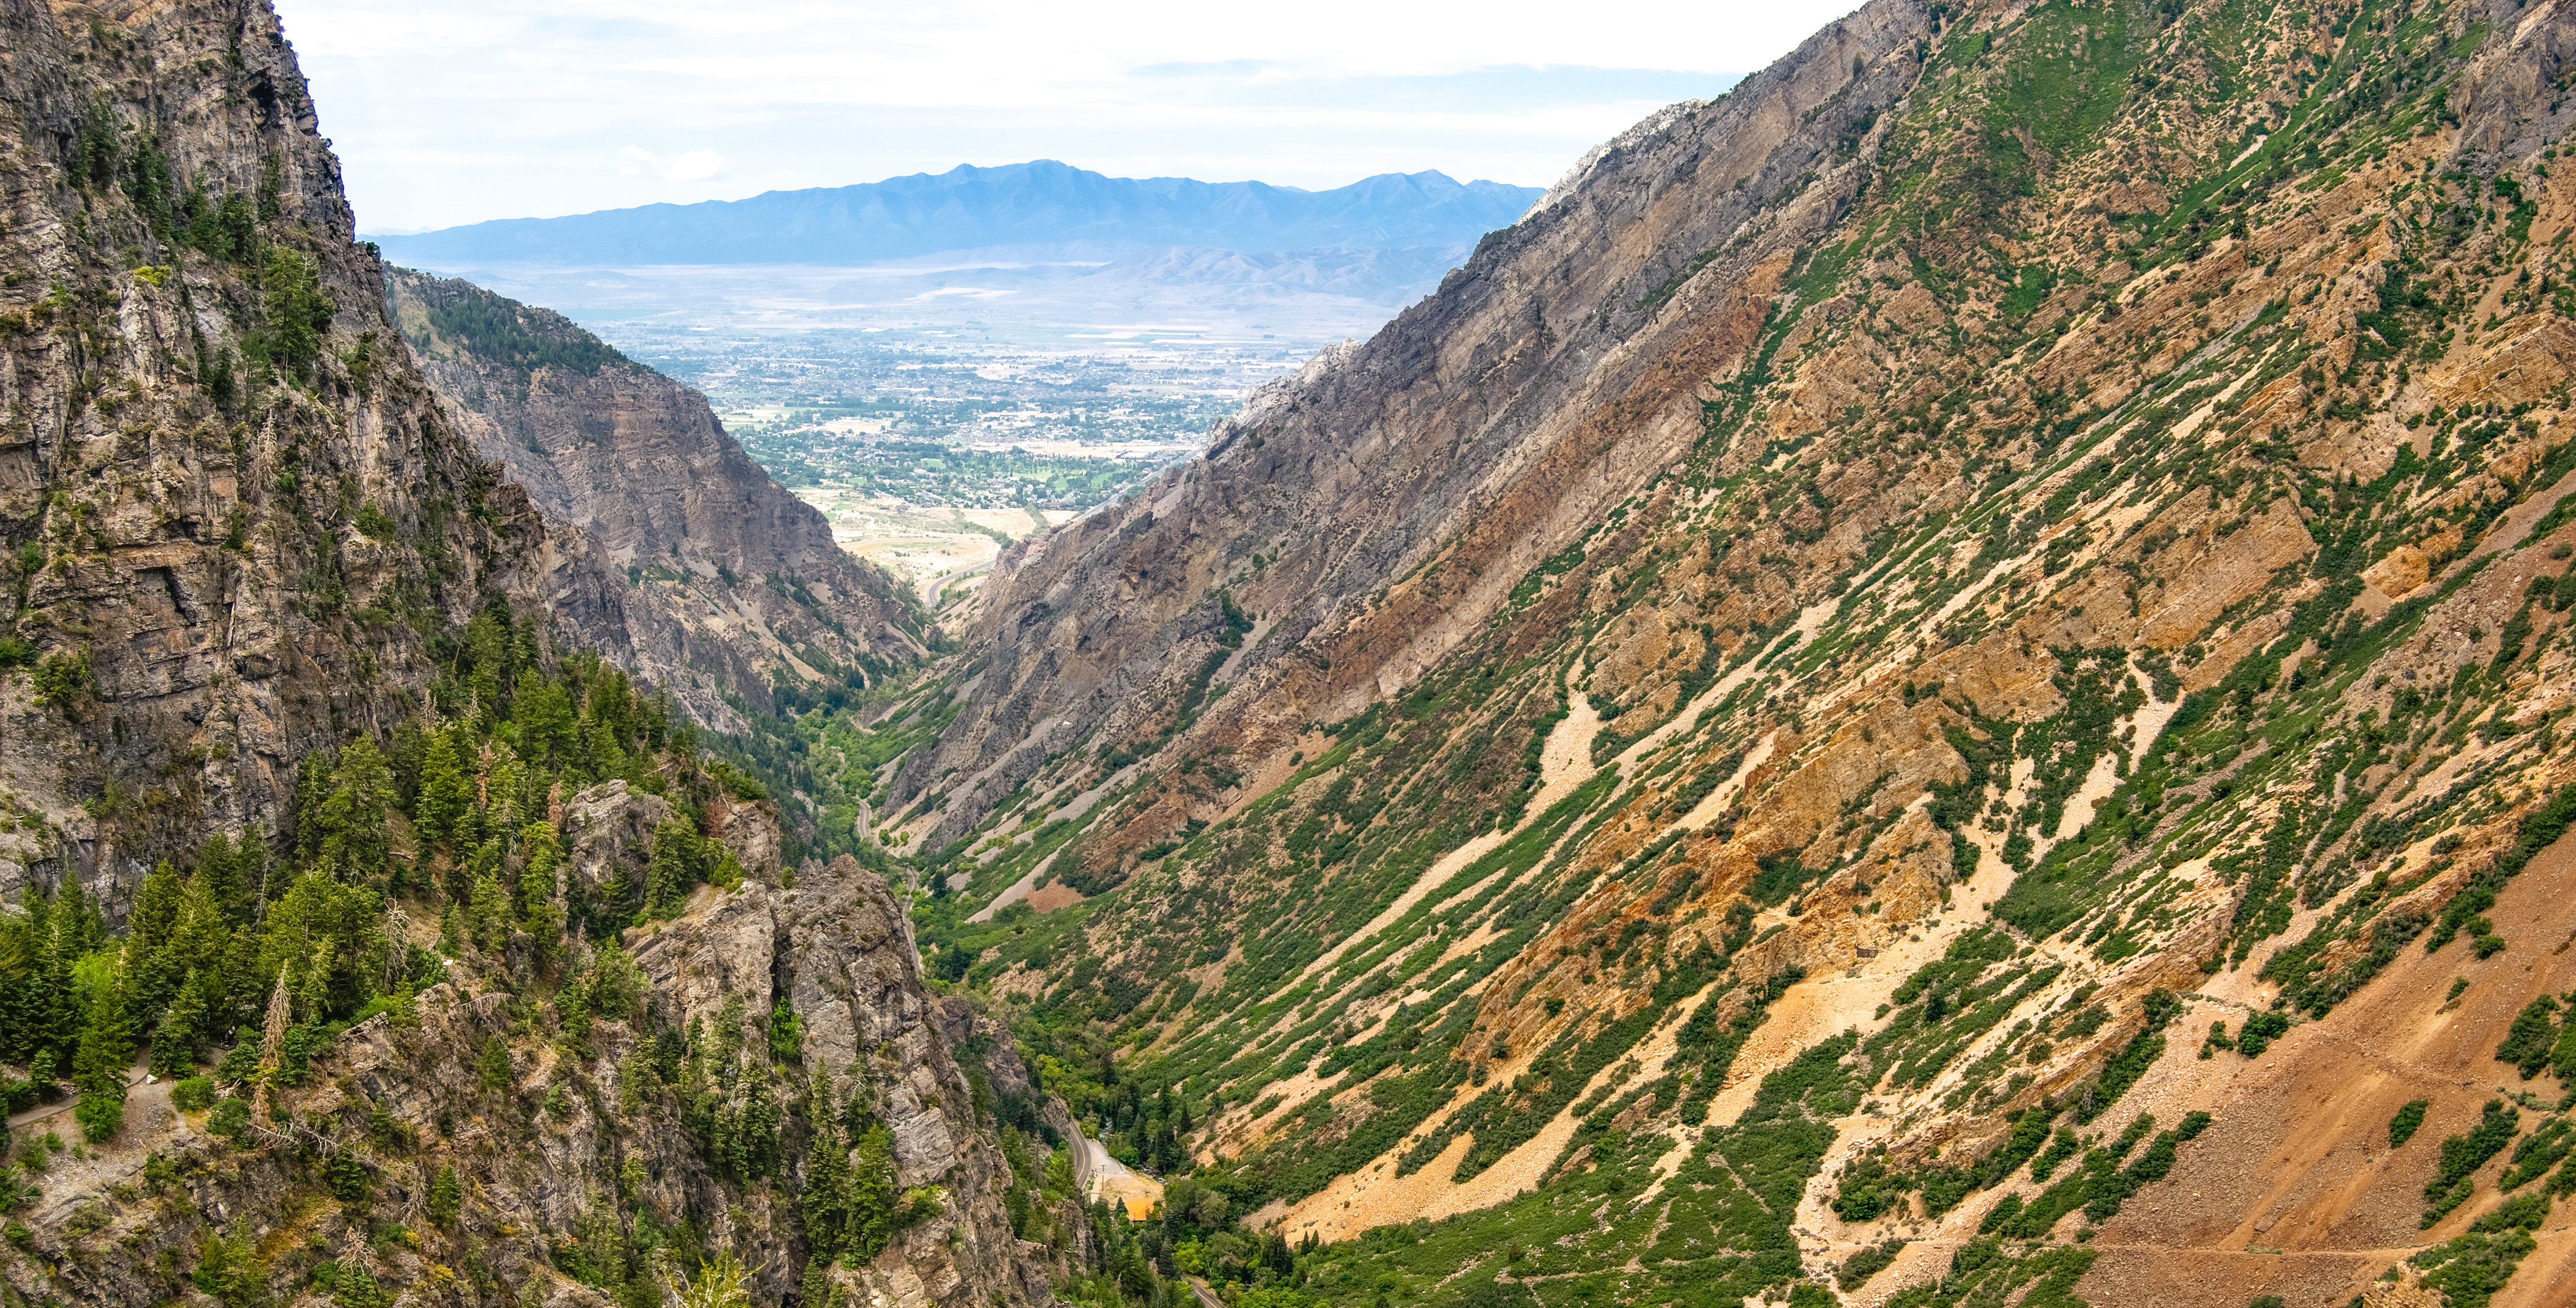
[1042, 204]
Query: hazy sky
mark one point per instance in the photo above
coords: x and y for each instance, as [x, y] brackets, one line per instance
[453, 111]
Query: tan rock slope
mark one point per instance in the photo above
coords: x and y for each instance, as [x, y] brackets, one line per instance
[2052, 520]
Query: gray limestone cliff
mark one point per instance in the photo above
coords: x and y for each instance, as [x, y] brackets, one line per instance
[230, 506]
[672, 550]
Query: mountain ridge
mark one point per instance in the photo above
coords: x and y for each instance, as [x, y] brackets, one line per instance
[1042, 202]
[1944, 681]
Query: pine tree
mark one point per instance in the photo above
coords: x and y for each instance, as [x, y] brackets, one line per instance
[542, 853]
[26, 995]
[819, 1291]
[491, 911]
[219, 870]
[313, 989]
[445, 1198]
[825, 1204]
[56, 928]
[607, 757]
[488, 643]
[445, 793]
[201, 938]
[353, 817]
[676, 866]
[492, 1066]
[99, 1067]
[156, 907]
[549, 734]
[872, 1193]
[312, 802]
[175, 1040]
[250, 868]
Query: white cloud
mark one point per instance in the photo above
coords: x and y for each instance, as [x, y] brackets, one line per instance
[456, 110]
[695, 166]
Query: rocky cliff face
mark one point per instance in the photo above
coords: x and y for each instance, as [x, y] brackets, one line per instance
[669, 547]
[1890, 602]
[262, 584]
[228, 497]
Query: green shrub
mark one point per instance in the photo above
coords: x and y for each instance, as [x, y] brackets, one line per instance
[1866, 1262]
[2464, 1154]
[2537, 1152]
[2407, 1122]
[231, 1116]
[64, 682]
[2468, 1271]
[346, 1174]
[2534, 1033]
[230, 1270]
[194, 1095]
[101, 1114]
[2261, 1029]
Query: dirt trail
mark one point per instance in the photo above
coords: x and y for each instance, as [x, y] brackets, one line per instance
[134, 1078]
[69, 1181]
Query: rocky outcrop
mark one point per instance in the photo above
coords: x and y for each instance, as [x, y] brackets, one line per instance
[836, 951]
[608, 833]
[238, 526]
[670, 549]
[525, 1161]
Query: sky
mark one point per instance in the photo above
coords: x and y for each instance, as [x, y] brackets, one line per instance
[456, 111]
